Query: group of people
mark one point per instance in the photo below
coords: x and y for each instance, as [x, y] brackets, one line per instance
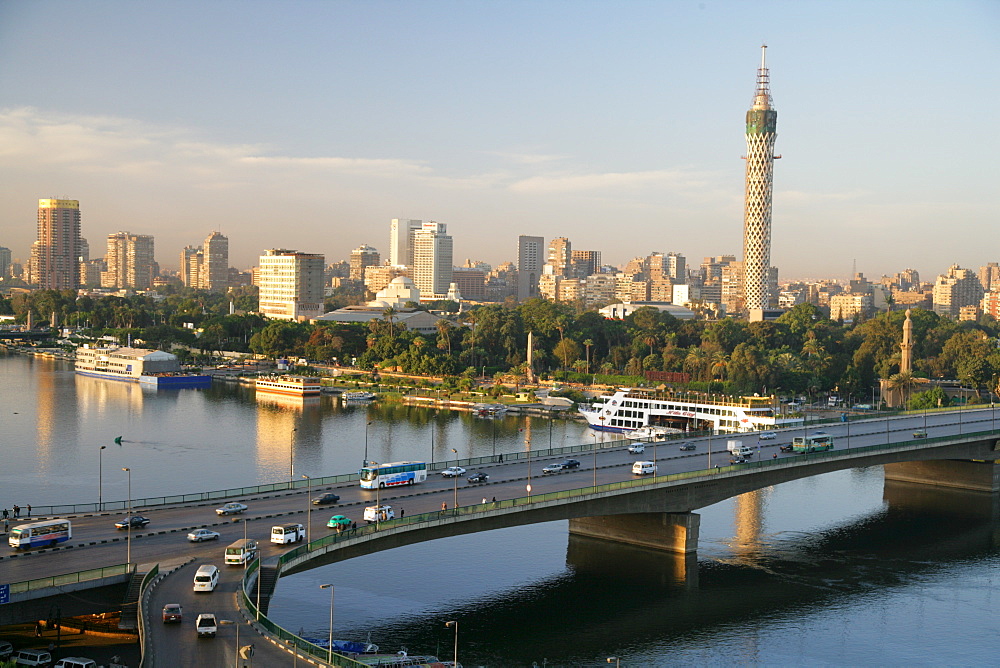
[17, 512]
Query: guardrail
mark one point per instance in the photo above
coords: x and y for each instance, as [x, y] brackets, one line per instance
[435, 517]
[141, 611]
[299, 485]
[68, 578]
[290, 641]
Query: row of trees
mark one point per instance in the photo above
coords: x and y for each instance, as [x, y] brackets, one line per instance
[800, 352]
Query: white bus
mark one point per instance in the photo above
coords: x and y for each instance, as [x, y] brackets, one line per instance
[393, 474]
[40, 534]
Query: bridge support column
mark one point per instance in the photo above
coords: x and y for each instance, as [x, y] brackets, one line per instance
[670, 532]
[977, 476]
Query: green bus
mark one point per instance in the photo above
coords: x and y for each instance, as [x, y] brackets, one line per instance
[814, 443]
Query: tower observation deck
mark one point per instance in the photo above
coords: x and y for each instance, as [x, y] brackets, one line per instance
[761, 131]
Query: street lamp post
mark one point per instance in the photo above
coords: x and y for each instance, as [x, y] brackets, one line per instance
[455, 624]
[433, 426]
[493, 420]
[329, 652]
[550, 428]
[128, 536]
[100, 478]
[236, 623]
[309, 507]
[367, 422]
[291, 457]
[455, 477]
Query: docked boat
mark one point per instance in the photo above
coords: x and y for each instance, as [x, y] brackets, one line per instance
[136, 365]
[291, 386]
[631, 409]
[345, 646]
[654, 433]
[489, 410]
[355, 395]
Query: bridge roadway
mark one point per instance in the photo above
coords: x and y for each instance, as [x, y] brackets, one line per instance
[97, 543]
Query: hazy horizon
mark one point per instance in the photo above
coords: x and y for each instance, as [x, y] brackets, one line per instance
[309, 125]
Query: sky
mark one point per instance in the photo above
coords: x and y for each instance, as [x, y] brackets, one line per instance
[620, 125]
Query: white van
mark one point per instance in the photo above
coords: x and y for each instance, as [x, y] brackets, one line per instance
[287, 533]
[242, 551]
[75, 662]
[643, 468]
[738, 450]
[379, 514]
[206, 578]
[32, 657]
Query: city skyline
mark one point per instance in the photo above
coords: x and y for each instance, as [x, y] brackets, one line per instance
[617, 127]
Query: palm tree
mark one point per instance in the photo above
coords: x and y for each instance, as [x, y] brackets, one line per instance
[388, 315]
[902, 382]
[587, 343]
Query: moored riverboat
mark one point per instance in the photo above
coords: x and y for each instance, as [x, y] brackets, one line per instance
[293, 386]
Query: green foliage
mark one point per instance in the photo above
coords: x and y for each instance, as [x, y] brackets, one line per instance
[932, 398]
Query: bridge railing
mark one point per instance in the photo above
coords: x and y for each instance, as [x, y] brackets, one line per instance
[68, 578]
[291, 641]
[616, 441]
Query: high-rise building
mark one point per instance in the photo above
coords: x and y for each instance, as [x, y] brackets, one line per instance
[361, 257]
[401, 232]
[55, 263]
[586, 263]
[989, 277]
[529, 266]
[560, 256]
[432, 259]
[959, 287]
[761, 132]
[5, 258]
[291, 284]
[190, 271]
[130, 261]
[214, 275]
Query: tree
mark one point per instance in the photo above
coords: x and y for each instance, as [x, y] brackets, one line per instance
[566, 351]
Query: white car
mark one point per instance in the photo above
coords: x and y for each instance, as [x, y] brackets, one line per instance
[767, 436]
[203, 534]
[637, 448]
[453, 471]
[232, 508]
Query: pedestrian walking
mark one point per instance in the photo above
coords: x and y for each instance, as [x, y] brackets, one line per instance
[29, 510]
[17, 511]
[354, 527]
[402, 511]
[6, 525]
[444, 506]
[494, 500]
[484, 500]
[6, 513]
[500, 460]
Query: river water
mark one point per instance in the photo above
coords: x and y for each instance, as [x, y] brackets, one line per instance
[839, 569]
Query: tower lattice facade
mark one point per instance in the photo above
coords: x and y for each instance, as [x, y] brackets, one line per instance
[761, 131]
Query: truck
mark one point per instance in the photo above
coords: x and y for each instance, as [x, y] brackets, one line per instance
[817, 442]
[206, 625]
[738, 450]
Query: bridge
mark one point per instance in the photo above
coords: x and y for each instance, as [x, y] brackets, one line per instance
[600, 499]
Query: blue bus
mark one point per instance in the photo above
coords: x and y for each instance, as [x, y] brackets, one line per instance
[376, 476]
[40, 534]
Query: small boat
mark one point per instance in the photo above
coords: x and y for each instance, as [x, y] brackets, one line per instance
[489, 410]
[357, 396]
[345, 646]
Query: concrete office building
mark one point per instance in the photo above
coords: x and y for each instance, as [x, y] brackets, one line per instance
[130, 261]
[215, 263]
[530, 252]
[361, 257]
[959, 287]
[401, 232]
[55, 255]
[432, 259]
[560, 258]
[291, 284]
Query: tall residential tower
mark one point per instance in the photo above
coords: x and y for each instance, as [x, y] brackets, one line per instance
[55, 255]
[762, 130]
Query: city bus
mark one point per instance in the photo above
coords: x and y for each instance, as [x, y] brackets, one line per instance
[40, 534]
[815, 443]
[393, 474]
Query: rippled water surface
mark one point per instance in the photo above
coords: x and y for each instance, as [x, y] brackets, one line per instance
[837, 570]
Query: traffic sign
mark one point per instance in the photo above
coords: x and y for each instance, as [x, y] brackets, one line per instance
[4, 594]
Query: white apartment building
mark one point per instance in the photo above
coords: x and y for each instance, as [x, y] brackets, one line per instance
[291, 284]
[432, 259]
[401, 231]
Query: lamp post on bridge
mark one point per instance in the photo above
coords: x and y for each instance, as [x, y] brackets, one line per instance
[128, 536]
[455, 624]
[455, 477]
[100, 478]
[329, 654]
[367, 423]
[291, 457]
[309, 507]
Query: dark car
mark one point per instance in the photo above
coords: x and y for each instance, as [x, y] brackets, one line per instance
[172, 612]
[688, 446]
[571, 464]
[325, 498]
[785, 448]
[135, 521]
[478, 476]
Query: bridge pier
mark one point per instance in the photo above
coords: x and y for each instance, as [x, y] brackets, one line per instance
[670, 532]
[956, 473]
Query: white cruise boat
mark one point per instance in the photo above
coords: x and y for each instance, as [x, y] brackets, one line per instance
[293, 386]
[628, 410]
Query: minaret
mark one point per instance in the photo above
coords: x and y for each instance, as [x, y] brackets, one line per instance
[762, 125]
